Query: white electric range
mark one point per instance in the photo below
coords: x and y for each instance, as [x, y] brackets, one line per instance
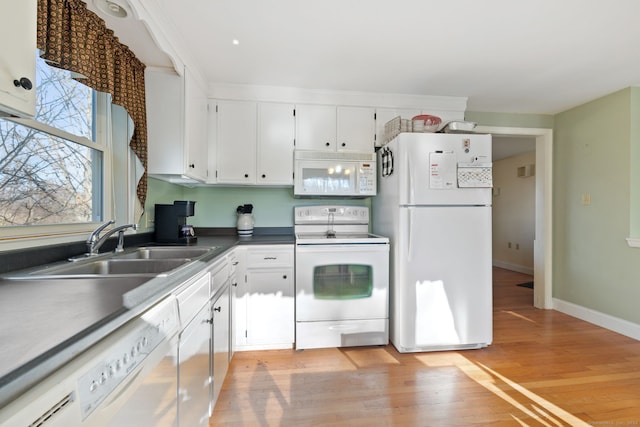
[342, 278]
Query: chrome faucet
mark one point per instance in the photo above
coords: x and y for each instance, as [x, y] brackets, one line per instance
[94, 241]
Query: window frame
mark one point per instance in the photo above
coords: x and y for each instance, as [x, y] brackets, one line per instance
[24, 236]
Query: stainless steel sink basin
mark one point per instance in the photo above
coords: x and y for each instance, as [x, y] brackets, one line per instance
[165, 252]
[118, 266]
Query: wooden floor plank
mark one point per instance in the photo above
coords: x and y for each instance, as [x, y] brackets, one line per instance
[544, 368]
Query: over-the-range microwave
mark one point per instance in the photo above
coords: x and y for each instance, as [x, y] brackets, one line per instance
[330, 174]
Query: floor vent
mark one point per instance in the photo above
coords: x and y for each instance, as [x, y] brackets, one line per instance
[44, 418]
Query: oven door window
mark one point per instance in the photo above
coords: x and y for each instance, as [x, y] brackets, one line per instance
[342, 281]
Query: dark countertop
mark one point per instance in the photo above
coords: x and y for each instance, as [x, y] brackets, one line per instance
[46, 324]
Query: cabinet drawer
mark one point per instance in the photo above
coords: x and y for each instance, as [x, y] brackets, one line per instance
[233, 263]
[192, 298]
[219, 275]
[270, 257]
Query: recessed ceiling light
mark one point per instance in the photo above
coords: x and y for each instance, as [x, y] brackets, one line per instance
[236, 42]
[115, 8]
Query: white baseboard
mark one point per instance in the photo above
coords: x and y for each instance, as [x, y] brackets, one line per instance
[606, 321]
[513, 267]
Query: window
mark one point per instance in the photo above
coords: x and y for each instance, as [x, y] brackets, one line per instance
[55, 170]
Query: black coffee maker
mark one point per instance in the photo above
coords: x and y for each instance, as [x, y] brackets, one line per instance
[171, 223]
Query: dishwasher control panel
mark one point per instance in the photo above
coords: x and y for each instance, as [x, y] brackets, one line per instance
[124, 353]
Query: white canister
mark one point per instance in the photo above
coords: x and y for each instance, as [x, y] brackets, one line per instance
[245, 224]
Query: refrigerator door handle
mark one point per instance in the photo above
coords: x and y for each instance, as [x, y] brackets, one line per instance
[410, 179]
[410, 234]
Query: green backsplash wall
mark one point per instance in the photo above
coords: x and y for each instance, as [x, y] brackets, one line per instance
[216, 206]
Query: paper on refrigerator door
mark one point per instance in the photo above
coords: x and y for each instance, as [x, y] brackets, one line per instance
[442, 170]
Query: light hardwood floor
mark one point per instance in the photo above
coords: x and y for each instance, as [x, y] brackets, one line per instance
[544, 368]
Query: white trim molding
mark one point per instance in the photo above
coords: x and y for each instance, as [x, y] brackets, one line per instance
[597, 318]
[513, 267]
[633, 242]
[542, 244]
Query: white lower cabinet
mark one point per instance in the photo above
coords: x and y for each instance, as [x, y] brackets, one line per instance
[264, 302]
[220, 343]
[194, 370]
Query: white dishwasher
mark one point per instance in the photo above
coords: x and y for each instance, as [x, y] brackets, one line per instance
[127, 379]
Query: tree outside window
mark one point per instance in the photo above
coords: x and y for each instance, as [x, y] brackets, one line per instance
[46, 175]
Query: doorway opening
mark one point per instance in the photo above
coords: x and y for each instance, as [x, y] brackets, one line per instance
[542, 250]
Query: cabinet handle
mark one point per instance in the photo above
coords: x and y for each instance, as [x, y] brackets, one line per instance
[218, 309]
[236, 262]
[264, 176]
[270, 257]
[234, 284]
[327, 144]
[344, 144]
[24, 82]
[209, 321]
[284, 277]
[246, 175]
[192, 165]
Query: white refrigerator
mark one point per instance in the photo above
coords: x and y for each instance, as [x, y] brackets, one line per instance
[434, 204]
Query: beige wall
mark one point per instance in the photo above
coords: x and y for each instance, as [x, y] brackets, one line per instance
[513, 214]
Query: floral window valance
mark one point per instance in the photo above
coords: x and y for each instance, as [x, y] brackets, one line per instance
[74, 38]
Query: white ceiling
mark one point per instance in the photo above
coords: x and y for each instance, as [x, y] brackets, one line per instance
[537, 56]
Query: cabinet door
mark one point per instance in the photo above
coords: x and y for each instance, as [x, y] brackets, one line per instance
[276, 134]
[221, 318]
[236, 142]
[316, 127]
[165, 122]
[270, 307]
[18, 47]
[212, 137]
[355, 129]
[194, 371]
[238, 324]
[383, 115]
[195, 117]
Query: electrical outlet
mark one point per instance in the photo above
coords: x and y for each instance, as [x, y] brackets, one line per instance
[509, 245]
[517, 246]
[586, 199]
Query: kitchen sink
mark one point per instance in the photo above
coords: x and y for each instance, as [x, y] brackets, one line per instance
[118, 266]
[164, 252]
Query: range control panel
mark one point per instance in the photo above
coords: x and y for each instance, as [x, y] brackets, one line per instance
[331, 213]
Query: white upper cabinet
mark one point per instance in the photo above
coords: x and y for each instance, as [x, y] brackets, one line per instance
[254, 143]
[18, 64]
[331, 128]
[236, 142]
[195, 111]
[276, 134]
[316, 127]
[356, 129]
[177, 126]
